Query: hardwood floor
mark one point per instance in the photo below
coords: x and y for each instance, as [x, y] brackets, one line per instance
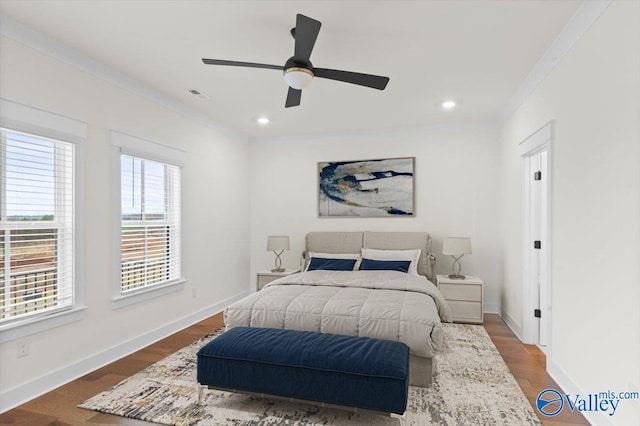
[527, 364]
[58, 407]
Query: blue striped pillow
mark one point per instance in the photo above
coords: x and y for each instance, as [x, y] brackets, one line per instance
[319, 263]
[384, 265]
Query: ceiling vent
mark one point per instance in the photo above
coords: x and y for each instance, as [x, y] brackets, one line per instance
[197, 93]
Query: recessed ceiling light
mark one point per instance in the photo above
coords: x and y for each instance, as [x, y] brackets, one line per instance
[263, 120]
[448, 104]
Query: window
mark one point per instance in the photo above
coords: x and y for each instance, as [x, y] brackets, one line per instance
[147, 251]
[41, 214]
[36, 226]
[150, 223]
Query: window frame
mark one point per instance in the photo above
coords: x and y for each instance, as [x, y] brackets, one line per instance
[26, 119]
[123, 144]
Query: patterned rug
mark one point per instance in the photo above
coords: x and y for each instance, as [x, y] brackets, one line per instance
[472, 386]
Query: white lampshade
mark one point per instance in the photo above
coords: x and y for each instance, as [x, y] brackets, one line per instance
[455, 246]
[298, 78]
[277, 242]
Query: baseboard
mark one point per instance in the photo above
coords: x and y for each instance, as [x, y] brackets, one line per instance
[18, 395]
[512, 324]
[570, 387]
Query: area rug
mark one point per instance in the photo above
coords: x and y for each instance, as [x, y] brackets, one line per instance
[471, 386]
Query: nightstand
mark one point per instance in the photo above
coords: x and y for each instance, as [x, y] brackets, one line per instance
[265, 277]
[464, 298]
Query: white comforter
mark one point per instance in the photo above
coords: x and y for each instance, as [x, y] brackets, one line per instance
[381, 304]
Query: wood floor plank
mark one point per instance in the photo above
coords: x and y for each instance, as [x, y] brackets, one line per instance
[59, 407]
[22, 417]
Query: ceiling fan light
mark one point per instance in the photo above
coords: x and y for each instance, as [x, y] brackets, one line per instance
[298, 78]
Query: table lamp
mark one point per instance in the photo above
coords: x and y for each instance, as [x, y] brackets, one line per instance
[456, 248]
[278, 244]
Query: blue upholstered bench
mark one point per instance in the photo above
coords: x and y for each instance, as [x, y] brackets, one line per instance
[358, 372]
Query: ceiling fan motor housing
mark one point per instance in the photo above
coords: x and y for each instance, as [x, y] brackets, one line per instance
[298, 74]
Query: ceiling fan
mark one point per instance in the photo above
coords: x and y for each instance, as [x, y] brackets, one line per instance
[299, 71]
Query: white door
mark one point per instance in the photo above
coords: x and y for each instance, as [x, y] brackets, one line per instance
[538, 246]
[536, 155]
[543, 275]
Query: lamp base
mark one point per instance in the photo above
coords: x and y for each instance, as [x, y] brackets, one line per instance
[457, 277]
[278, 270]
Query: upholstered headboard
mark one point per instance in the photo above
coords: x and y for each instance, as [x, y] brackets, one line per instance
[352, 242]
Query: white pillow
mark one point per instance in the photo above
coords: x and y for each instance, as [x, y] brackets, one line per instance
[335, 256]
[412, 255]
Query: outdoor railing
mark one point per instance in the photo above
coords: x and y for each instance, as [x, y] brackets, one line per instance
[139, 274]
[33, 290]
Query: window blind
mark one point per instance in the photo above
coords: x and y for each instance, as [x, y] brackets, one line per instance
[36, 225]
[150, 230]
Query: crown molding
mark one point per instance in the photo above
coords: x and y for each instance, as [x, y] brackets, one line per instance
[44, 44]
[585, 16]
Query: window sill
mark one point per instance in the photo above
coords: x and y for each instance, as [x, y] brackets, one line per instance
[36, 325]
[130, 299]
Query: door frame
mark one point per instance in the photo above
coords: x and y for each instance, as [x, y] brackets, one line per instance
[541, 140]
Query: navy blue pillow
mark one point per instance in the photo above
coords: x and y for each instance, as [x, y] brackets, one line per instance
[318, 263]
[385, 265]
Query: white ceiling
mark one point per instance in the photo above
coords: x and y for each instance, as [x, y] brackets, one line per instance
[476, 52]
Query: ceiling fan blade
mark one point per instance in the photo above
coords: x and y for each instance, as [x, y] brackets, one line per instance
[307, 30]
[241, 64]
[293, 97]
[368, 80]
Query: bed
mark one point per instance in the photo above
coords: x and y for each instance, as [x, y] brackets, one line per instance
[401, 305]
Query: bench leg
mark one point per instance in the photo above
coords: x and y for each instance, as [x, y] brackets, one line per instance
[402, 418]
[201, 389]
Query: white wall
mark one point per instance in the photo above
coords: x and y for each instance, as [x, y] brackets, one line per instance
[593, 96]
[215, 214]
[456, 193]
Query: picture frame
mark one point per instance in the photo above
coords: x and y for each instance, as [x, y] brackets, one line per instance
[367, 188]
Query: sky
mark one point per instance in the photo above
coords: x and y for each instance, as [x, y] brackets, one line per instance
[31, 179]
[30, 176]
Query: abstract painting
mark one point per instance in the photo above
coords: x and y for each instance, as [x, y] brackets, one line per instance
[366, 188]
